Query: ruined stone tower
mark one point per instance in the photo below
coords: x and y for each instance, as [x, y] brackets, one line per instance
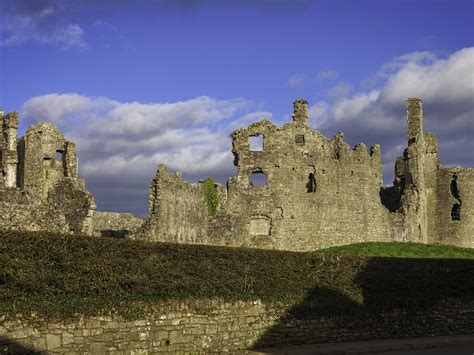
[9, 157]
[40, 188]
[300, 112]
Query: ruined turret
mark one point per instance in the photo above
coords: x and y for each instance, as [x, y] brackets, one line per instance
[300, 111]
[9, 148]
[414, 120]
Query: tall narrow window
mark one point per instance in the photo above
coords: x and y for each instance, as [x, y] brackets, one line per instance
[311, 184]
[454, 188]
[258, 178]
[256, 142]
[456, 212]
[59, 155]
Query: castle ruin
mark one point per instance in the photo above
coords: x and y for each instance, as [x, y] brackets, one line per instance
[302, 191]
[39, 185]
[294, 190]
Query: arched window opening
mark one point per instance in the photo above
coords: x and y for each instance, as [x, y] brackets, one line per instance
[456, 212]
[258, 178]
[256, 142]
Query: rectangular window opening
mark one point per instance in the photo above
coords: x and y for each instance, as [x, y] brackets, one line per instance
[256, 142]
[59, 155]
[299, 139]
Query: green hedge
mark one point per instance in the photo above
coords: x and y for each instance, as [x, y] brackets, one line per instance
[60, 276]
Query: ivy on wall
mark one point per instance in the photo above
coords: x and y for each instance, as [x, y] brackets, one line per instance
[210, 194]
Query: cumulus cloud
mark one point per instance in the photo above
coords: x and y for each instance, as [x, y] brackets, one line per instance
[120, 144]
[296, 80]
[339, 91]
[378, 115]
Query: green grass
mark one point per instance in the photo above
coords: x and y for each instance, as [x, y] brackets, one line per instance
[403, 250]
[63, 276]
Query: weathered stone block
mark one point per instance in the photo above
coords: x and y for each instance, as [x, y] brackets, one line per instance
[53, 341]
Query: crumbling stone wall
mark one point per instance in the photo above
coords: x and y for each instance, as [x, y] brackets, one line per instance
[113, 224]
[318, 192]
[446, 224]
[431, 207]
[177, 210]
[215, 325]
[40, 188]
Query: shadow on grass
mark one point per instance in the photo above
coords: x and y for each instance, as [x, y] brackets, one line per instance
[399, 298]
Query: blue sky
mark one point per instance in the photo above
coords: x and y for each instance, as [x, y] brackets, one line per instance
[137, 83]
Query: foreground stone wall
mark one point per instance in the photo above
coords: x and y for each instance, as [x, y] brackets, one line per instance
[222, 326]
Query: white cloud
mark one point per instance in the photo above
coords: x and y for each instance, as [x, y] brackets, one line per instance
[327, 74]
[120, 144]
[446, 86]
[339, 91]
[296, 80]
[318, 114]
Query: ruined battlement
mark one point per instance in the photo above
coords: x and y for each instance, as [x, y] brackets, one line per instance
[298, 190]
[294, 189]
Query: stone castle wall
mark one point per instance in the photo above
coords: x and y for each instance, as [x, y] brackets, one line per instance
[215, 325]
[298, 191]
[445, 228]
[40, 188]
[318, 192]
[177, 210]
[113, 224]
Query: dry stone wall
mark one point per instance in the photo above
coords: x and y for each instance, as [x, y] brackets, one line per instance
[214, 325]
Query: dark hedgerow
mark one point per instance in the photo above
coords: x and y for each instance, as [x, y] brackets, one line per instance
[61, 276]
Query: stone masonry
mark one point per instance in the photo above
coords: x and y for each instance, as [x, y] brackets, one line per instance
[298, 190]
[217, 326]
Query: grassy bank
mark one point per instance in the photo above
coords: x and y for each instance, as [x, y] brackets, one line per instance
[403, 250]
[60, 276]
